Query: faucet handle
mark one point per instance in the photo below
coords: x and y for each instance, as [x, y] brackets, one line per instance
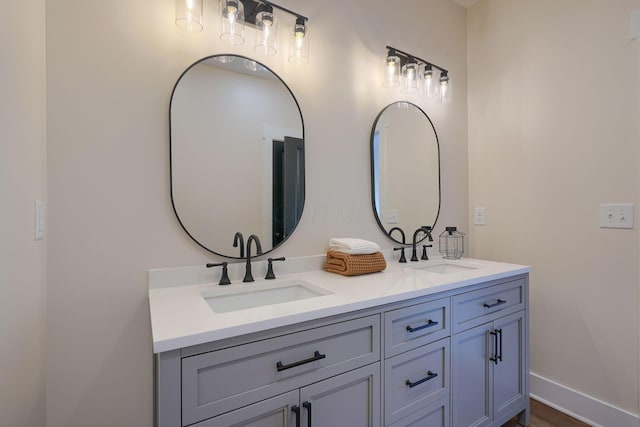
[428, 229]
[402, 257]
[424, 252]
[224, 279]
[270, 275]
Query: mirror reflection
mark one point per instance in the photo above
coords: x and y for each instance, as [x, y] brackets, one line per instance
[405, 170]
[237, 154]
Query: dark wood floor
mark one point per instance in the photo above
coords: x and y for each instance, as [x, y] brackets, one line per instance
[544, 416]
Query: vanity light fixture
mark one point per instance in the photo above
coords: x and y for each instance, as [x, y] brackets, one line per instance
[392, 72]
[410, 76]
[189, 15]
[299, 50]
[258, 14]
[267, 24]
[232, 16]
[417, 75]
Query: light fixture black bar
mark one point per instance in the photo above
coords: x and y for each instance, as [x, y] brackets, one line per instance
[408, 55]
[284, 9]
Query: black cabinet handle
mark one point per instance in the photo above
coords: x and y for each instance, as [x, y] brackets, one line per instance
[500, 354]
[307, 406]
[316, 356]
[500, 302]
[296, 410]
[429, 324]
[494, 358]
[430, 375]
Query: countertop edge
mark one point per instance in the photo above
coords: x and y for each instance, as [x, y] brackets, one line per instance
[169, 344]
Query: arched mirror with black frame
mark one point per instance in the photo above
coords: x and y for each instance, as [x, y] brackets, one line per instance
[405, 171]
[237, 159]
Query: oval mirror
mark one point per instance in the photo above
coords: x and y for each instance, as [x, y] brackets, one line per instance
[405, 170]
[236, 154]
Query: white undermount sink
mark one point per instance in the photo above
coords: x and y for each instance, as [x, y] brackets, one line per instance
[259, 294]
[445, 266]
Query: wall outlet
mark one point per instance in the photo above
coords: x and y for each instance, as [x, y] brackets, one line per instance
[616, 215]
[480, 216]
[392, 216]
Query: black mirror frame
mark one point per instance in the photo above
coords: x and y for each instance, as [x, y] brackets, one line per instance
[371, 156]
[171, 160]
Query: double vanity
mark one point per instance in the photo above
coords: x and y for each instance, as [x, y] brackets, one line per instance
[430, 343]
[434, 343]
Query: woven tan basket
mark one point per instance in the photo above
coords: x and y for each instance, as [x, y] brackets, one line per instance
[354, 265]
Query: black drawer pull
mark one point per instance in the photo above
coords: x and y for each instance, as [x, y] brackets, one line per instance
[430, 376]
[307, 406]
[495, 356]
[500, 302]
[316, 356]
[296, 410]
[429, 324]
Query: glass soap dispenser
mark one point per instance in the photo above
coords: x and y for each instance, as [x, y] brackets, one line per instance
[451, 243]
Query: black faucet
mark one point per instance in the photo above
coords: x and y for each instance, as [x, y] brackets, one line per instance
[238, 237]
[270, 274]
[424, 247]
[423, 229]
[404, 241]
[224, 279]
[248, 277]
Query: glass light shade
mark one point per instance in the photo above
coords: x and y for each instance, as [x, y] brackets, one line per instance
[232, 15]
[267, 24]
[411, 78]
[299, 48]
[225, 59]
[189, 15]
[392, 71]
[429, 83]
[250, 65]
[444, 89]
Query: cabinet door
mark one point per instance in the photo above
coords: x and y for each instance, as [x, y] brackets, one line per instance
[351, 399]
[509, 373]
[434, 415]
[273, 412]
[471, 379]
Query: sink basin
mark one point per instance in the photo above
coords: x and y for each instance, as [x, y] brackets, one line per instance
[445, 266]
[260, 294]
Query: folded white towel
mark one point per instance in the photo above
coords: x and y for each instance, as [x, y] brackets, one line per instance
[353, 246]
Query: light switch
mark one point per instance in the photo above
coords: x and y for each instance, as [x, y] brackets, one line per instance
[616, 215]
[38, 220]
[480, 216]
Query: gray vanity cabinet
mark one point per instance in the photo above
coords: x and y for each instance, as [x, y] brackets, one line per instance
[248, 381]
[416, 366]
[455, 358]
[489, 362]
[351, 399]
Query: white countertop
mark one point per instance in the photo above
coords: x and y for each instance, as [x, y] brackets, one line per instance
[181, 317]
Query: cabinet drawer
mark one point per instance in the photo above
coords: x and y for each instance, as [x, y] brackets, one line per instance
[410, 327]
[433, 415]
[222, 380]
[275, 411]
[474, 308]
[416, 379]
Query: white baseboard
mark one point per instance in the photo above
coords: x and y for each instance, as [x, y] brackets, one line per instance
[578, 405]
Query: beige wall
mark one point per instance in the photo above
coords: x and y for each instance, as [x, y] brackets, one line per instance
[22, 180]
[553, 132]
[111, 66]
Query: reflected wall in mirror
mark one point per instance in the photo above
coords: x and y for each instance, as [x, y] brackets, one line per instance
[236, 154]
[405, 170]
